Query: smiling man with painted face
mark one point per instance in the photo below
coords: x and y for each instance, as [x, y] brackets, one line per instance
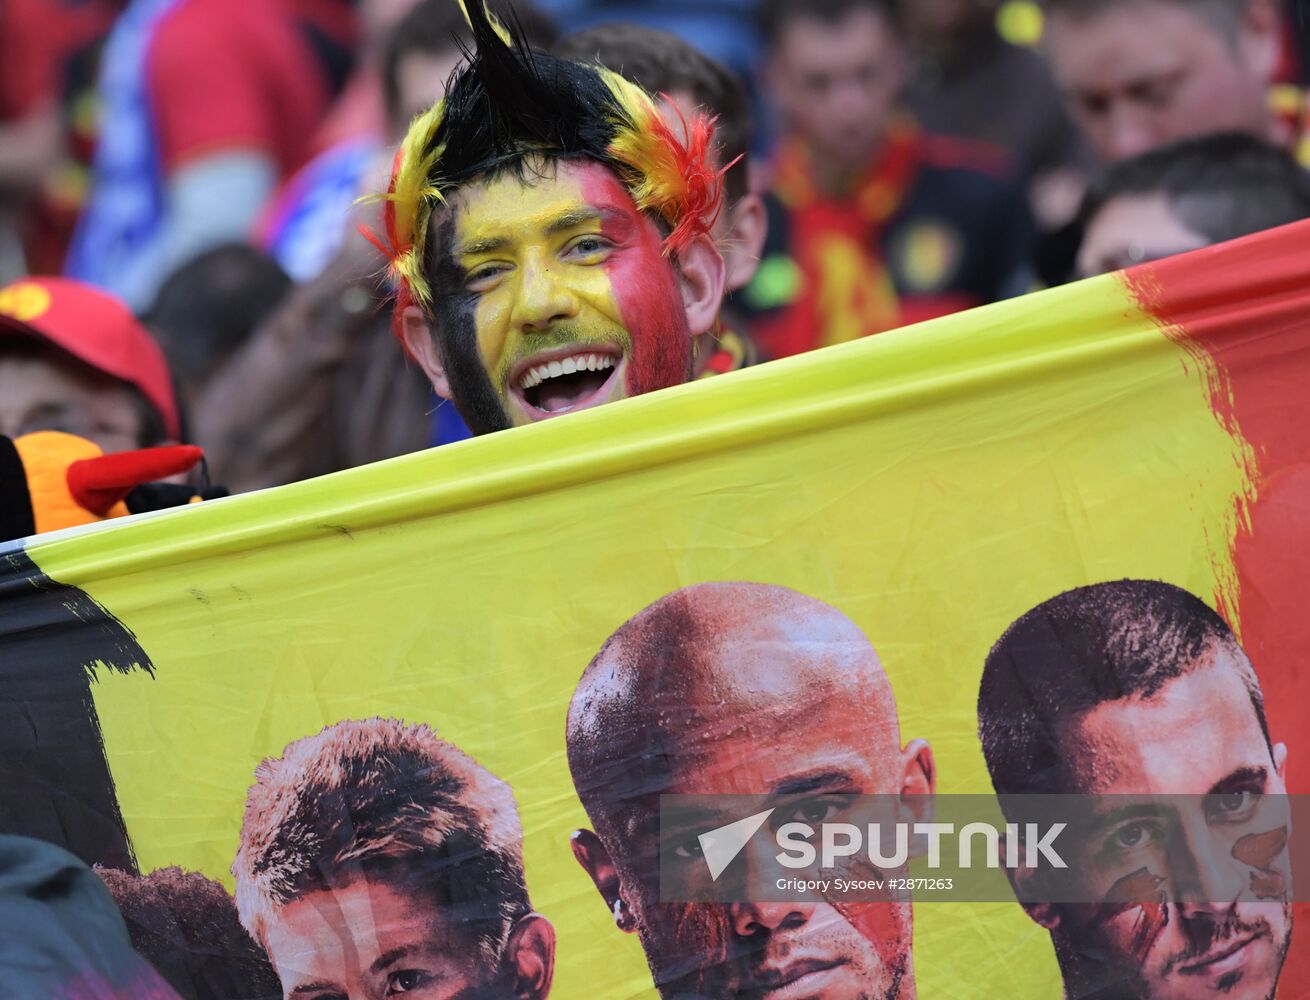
[1136, 697]
[550, 234]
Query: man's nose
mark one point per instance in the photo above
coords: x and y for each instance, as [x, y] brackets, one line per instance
[1129, 132]
[544, 299]
[752, 919]
[1206, 878]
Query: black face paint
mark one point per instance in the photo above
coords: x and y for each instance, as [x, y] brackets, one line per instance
[472, 392]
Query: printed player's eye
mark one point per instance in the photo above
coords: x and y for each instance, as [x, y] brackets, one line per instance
[404, 980]
[1134, 835]
[1232, 805]
[688, 847]
[819, 809]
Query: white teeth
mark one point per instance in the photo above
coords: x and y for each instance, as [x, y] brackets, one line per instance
[565, 366]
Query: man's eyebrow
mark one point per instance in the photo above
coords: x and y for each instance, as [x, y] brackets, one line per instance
[1138, 810]
[804, 784]
[387, 957]
[489, 245]
[318, 986]
[571, 220]
[1244, 779]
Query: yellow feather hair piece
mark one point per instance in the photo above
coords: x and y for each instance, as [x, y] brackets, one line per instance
[671, 175]
[415, 191]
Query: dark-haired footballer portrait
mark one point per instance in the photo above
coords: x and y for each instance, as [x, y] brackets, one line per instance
[377, 859]
[1137, 694]
[689, 697]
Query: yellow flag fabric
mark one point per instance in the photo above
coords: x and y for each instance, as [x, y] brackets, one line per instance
[932, 485]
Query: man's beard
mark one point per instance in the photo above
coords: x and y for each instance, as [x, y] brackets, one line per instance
[712, 965]
[1098, 979]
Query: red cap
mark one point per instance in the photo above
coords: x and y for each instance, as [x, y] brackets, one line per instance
[96, 329]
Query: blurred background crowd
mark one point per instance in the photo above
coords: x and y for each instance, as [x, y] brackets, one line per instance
[185, 173]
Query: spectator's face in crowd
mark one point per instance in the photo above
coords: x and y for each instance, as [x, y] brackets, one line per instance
[938, 19]
[1142, 73]
[379, 17]
[421, 79]
[835, 83]
[42, 391]
[553, 294]
[1134, 229]
[371, 939]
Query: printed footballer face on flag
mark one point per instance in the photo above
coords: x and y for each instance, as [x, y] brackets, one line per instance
[418, 717]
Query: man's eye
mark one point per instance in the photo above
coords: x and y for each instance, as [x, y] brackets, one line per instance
[589, 247]
[1132, 836]
[817, 810]
[1232, 805]
[688, 847]
[1094, 106]
[482, 279]
[406, 980]
[1156, 93]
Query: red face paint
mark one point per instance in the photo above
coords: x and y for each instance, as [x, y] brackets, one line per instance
[1142, 895]
[882, 925]
[645, 289]
[702, 929]
[1260, 851]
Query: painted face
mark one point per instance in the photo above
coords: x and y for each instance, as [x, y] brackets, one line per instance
[370, 940]
[841, 742]
[1140, 75]
[554, 295]
[1212, 851]
[41, 392]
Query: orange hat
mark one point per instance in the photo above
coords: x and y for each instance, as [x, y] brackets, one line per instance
[96, 329]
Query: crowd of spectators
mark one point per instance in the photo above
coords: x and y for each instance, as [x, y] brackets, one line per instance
[183, 205]
[202, 163]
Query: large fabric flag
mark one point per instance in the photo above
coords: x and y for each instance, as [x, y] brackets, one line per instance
[446, 696]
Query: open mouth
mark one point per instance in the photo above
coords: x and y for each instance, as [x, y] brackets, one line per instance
[564, 380]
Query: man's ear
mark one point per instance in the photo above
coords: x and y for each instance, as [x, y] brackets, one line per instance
[530, 956]
[595, 860]
[421, 343]
[1021, 881]
[1260, 43]
[745, 241]
[701, 282]
[918, 780]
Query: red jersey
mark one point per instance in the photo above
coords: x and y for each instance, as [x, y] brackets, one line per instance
[38, 38]
[229, 76]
